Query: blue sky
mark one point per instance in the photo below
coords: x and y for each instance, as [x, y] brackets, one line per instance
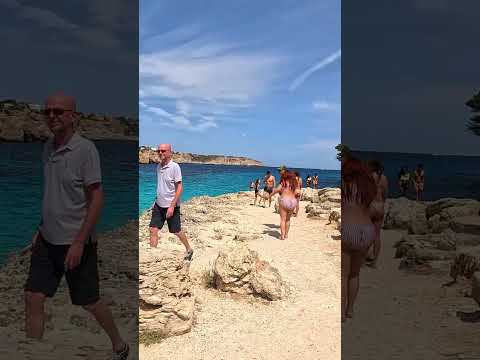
[256, 79]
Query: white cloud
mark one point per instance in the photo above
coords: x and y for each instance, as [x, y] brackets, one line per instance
[321, 105]
[42, 17]
[320, 145]
[179, 120]
[207, 81]
[316, 67]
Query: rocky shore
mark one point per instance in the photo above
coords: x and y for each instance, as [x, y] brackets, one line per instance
[71, 333]
[246, 290]
[23, 122]
[426, 245]
[150, 156]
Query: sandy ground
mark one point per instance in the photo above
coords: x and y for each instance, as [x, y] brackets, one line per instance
[306, 325]
[409, 316]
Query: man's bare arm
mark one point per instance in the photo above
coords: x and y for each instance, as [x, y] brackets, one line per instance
[178, 192]
[95, 203]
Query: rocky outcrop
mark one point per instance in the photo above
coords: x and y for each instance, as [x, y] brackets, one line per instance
[24, 122]
[240, 271]
[460, 215]
[406, 214]
[150, 156]
[325, 203]
[166, 295]
[71, 331]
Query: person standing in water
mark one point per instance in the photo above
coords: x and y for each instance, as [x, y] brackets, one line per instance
[377, 207]
[358, 190]
[403, 181]
[419, 181]
[308, 181]
[288, 190]
[315, 181]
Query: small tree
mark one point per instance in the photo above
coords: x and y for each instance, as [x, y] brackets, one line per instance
[342, 151]
[473, 124]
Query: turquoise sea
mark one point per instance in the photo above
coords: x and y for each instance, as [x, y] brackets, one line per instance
[212, 180]
[129, 188]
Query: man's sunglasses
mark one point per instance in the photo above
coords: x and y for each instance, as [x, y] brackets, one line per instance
[55, 111]
[162, 151]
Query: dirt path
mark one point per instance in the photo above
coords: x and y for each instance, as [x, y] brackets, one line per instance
[306, 325]
[409, 316]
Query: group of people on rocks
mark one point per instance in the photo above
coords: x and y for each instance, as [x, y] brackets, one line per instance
[289, 188]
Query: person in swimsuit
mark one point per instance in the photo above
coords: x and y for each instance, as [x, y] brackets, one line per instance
[308, 181]
[315, 181]
[358, 190]
[403, 180]
[377, 207]
[299, 192]
[419, 181]
[288, 190]
[269, 182]
[256, 187]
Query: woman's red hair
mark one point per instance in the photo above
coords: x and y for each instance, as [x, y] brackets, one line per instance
[357, 183]
[289, 180]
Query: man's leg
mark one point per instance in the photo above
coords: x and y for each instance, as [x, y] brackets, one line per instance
[183, 238]
[153, 236]
[34, 314]
[104, 317]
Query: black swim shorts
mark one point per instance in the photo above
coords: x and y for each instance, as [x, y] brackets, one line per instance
[47, 267]
[268, 189]
[159, 215]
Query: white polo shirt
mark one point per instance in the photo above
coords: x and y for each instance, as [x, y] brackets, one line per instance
[167, 177]
[67, 171]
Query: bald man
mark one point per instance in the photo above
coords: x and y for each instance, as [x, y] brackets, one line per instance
[65, 242]
[167, 203]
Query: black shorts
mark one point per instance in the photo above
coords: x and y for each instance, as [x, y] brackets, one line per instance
[159, 215]
[47, 269]
[268, 189]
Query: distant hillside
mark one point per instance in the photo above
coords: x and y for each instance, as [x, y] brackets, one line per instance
[23, 122]
[148, 156]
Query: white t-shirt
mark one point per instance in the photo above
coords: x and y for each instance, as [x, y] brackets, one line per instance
[167, 177]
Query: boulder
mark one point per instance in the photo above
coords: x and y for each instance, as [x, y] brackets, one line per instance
[309, 194]
[167, 300]
[466, 224]
[405, 214]
[239, 270]
[437, 207]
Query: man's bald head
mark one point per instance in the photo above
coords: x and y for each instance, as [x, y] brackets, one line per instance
[61, 101]
[165, 153]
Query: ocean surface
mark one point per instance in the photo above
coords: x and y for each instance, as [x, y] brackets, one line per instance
[129, 187]
[212, 180]
[21, 189]
[445, 176]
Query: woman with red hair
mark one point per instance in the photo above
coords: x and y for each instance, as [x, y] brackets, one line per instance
[288, 190]
[358, 232]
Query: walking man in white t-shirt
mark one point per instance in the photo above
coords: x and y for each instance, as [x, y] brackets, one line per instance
[65, 242]
[167, 202]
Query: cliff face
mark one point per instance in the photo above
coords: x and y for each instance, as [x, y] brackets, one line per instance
[148, 156]
[24, 122]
